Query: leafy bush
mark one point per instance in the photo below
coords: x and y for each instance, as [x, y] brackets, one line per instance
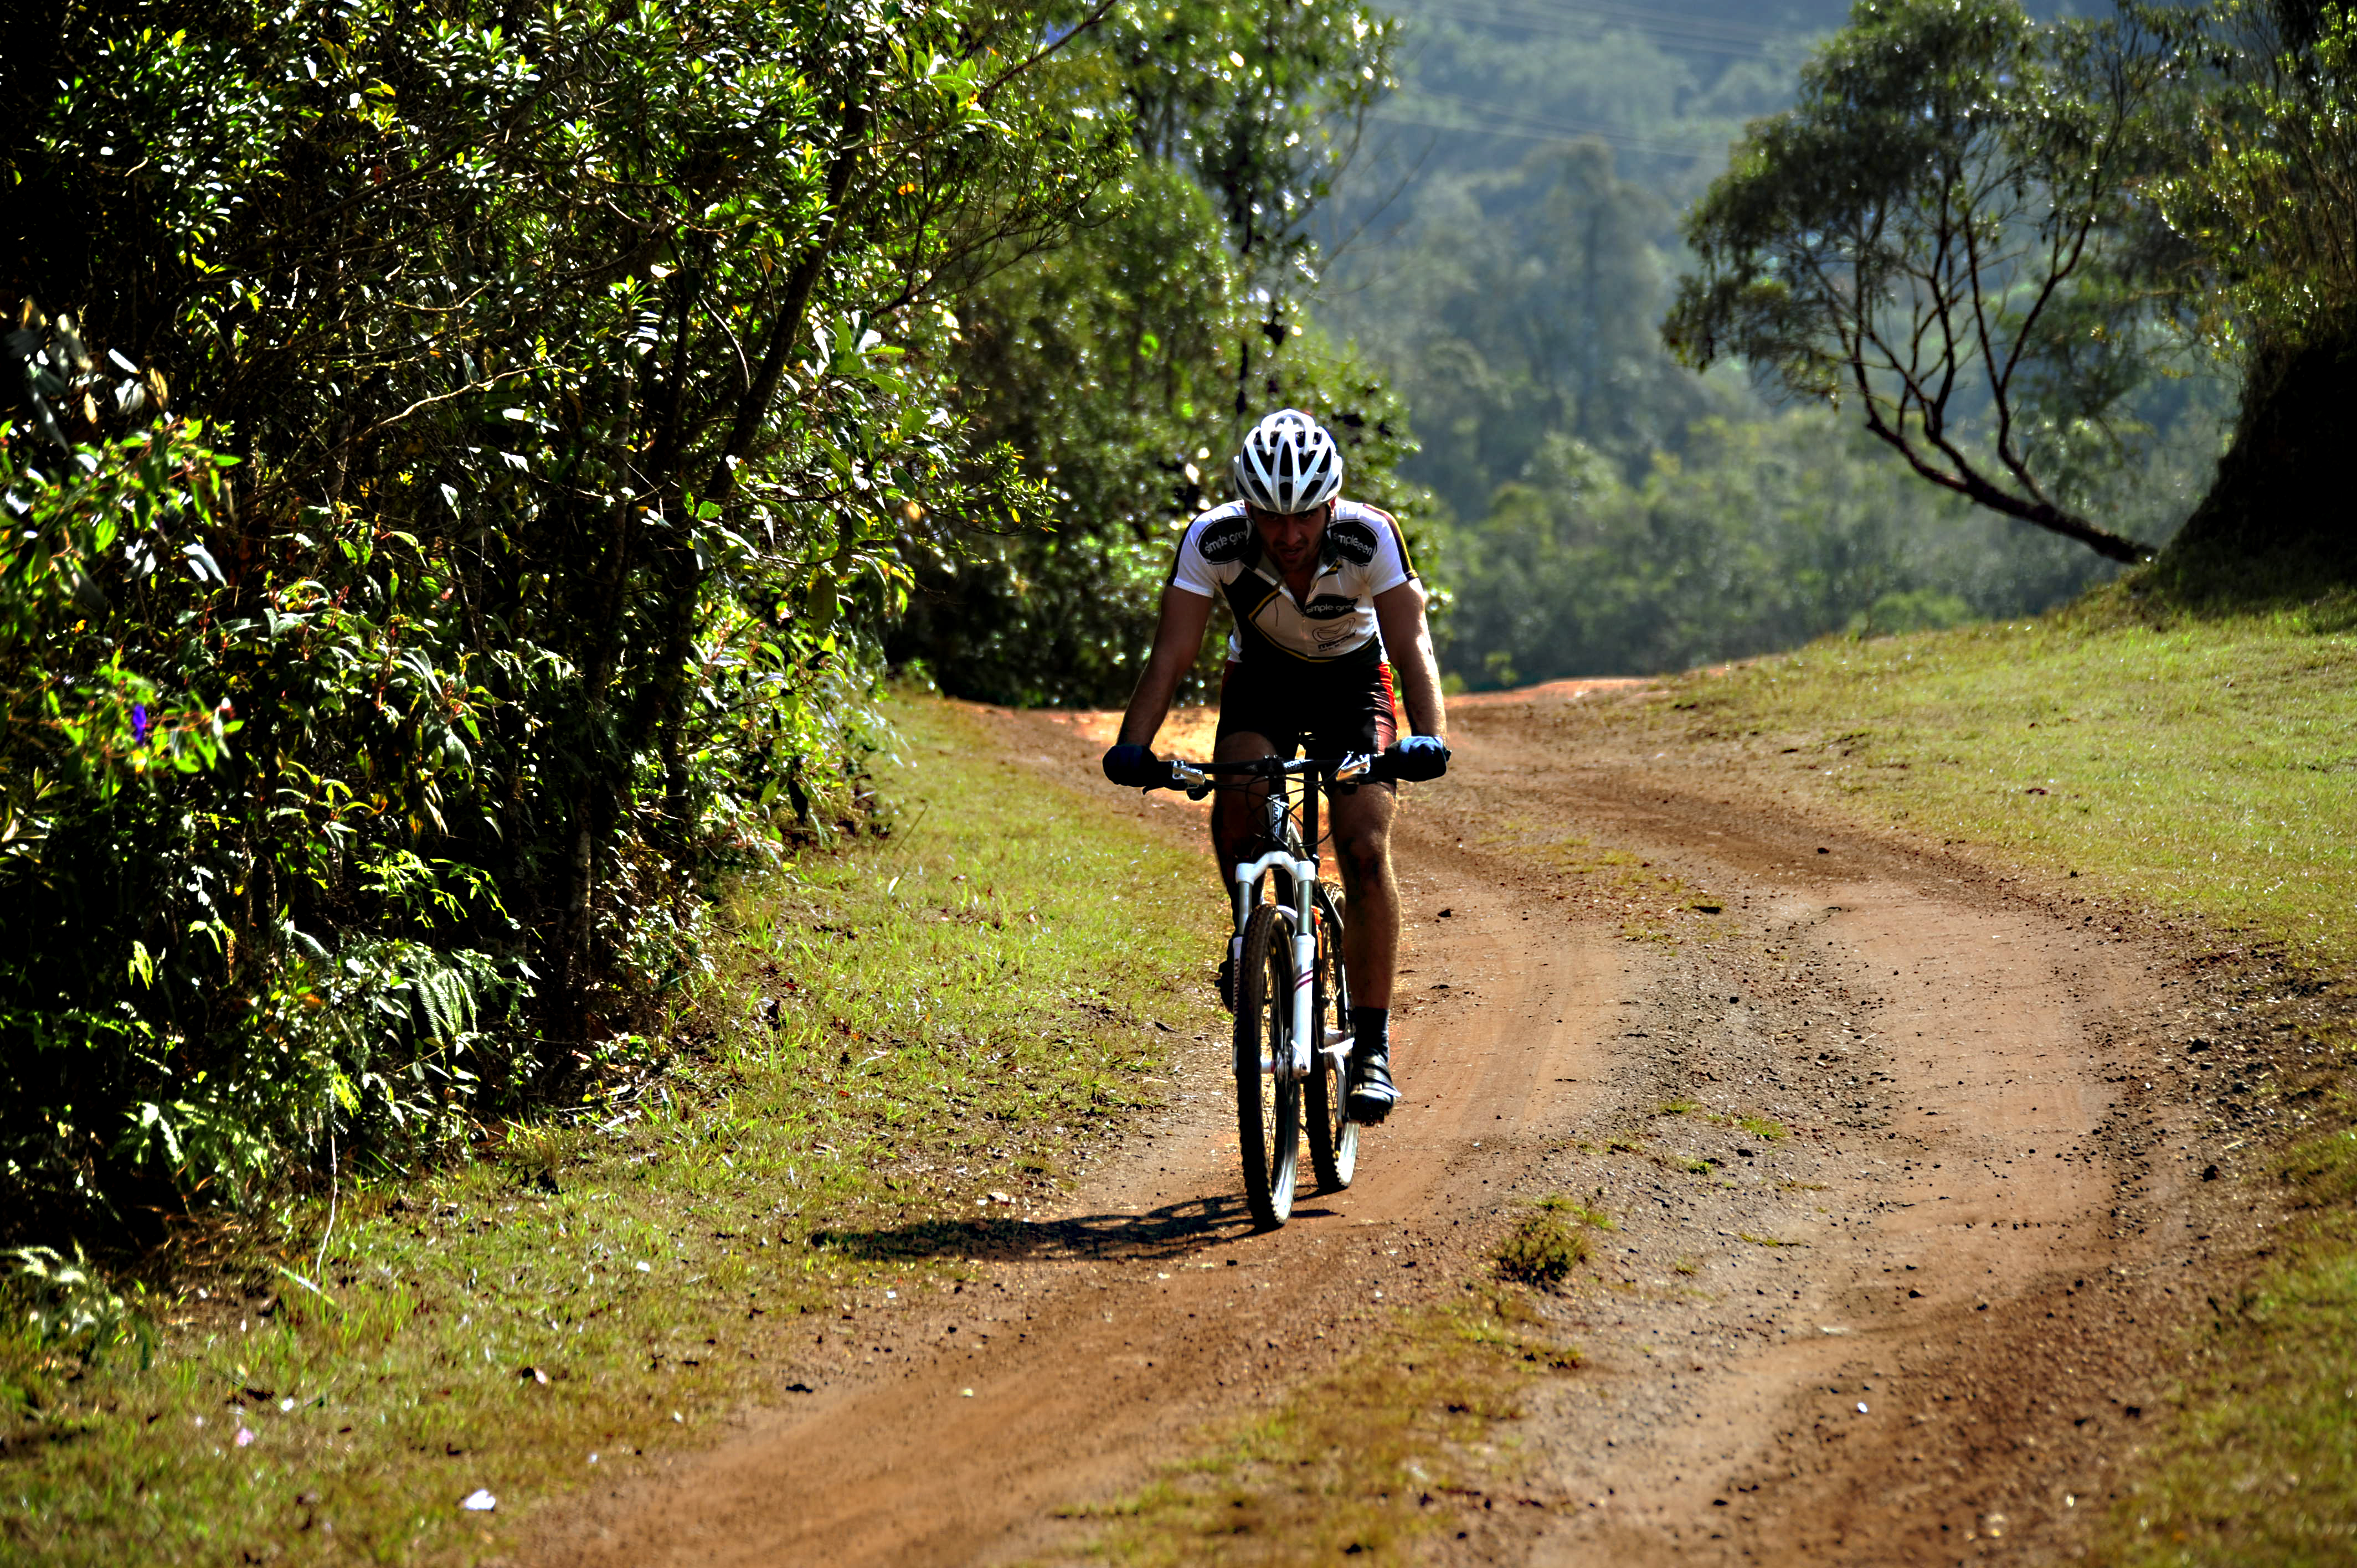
[459, 505]
[68, 1310]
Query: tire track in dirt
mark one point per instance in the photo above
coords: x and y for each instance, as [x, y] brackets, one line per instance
[1918, 1032]
[1106, 1334]
[1923, 1328]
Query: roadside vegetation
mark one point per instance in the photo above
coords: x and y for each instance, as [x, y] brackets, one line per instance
[2203, 766]
[925, 1034]
[463, 469]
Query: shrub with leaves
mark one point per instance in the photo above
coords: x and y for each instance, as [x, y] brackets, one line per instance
[463, 460]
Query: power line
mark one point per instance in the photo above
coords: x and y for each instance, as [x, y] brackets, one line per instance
[1671, 30]
[1529, 126]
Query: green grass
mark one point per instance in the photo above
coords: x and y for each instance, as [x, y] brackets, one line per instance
[1548, 1242]
[1362, 1462]
[897, 1032]
[2206, 768]
[2261, 1467]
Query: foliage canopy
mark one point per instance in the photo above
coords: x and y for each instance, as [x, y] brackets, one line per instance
[1944, 229]
[468, 454]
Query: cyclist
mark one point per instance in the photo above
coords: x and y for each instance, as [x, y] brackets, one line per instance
[1321, 590]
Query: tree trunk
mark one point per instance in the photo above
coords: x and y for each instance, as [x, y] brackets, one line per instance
[2281, 518]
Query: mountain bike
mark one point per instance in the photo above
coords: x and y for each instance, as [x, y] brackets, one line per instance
[1292, 994]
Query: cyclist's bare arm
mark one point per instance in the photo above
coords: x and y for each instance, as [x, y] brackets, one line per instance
[1177, 640]
[1407, 642]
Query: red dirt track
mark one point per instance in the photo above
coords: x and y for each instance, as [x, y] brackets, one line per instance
[1917, 1327]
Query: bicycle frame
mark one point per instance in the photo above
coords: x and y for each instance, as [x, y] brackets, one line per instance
[1301, 919]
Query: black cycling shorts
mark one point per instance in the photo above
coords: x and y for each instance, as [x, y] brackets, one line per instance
[1326, 711]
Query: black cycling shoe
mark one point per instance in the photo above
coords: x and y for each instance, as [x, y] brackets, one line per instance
[1373, 1093]
[1228, 983]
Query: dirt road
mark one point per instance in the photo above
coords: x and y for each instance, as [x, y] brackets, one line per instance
[1906, 1161]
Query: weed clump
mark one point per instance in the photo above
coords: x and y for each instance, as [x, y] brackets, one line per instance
[1545, 1247]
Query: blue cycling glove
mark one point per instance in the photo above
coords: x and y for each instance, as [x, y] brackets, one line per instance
[1418, 758]
[1135, 768]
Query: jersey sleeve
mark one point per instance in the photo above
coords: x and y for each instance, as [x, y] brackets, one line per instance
[1391, 565]
[1189, 569]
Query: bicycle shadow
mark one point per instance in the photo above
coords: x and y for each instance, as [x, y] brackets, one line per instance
[1174, 1231]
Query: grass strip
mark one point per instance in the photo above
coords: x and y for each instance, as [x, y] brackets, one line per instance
[1396, 1444]
[903, 1044]
[2204, 769]
[2261, 1465]
[1390, 1447]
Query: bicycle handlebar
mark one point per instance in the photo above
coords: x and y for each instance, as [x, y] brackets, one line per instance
[1352, 767]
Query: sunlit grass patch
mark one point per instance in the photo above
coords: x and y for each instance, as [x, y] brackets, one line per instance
[896, 1031]
[2261, 1464]
[2208, 768]
[1364, 1461]
[1547, 1243]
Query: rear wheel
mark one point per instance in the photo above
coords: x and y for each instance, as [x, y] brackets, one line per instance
[1268, 1109]
[1334, 1136]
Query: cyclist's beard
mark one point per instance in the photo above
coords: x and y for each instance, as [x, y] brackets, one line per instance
[1291, 556]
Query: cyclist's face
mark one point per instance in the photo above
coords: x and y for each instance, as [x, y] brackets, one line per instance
[1291, 538]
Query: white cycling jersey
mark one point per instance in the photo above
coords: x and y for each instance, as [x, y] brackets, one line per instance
[1364, 554]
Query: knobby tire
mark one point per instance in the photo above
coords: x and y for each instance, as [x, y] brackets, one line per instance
[1268, 1109]
[1334, 1136]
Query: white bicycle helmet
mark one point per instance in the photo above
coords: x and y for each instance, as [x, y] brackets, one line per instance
[1288, 464]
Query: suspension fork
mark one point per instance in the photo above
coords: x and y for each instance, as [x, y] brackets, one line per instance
[1303, 917]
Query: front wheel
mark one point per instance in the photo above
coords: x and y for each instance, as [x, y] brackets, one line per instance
[1334, 1136]
[1268, 1107]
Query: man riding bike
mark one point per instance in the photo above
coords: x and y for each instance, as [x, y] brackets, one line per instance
[1322, 591]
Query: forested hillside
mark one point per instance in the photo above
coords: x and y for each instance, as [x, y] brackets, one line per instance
[1506, 245]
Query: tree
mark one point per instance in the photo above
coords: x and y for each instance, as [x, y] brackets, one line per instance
[1523, 310]
[1261, 105]
[1763, 534]
[1123, 363]
[552, 394]
[2270, 205]
[1945, 230]
[1108, 363]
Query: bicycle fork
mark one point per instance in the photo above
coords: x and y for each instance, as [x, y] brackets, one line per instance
[1301, 921]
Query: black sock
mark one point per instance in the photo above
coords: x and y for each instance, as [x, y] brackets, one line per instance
[1370, 1028]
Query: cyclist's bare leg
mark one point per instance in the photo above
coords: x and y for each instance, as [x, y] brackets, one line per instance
[1370, 913]
[1239, 808]
[1371, 930]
